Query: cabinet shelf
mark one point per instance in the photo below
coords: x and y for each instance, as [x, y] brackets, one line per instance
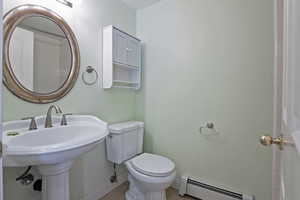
[125, 84]
[125, 66]
[126, 87]
[128, 82]
[121, 59]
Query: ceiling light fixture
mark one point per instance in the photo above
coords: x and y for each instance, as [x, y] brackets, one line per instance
[65, 2]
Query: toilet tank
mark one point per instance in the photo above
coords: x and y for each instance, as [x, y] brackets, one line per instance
[124, 141]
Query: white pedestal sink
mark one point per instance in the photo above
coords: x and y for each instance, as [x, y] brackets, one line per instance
[52, 150]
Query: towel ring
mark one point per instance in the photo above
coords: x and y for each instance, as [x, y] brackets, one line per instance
[89, 70]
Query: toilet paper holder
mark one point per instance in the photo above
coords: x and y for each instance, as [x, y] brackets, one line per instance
[208, 125]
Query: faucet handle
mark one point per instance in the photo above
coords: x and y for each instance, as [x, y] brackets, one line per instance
[32, 125]
[59, 110]
[64, 119]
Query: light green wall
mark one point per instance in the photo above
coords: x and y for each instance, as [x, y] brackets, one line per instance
[210, 60]
[90, 174]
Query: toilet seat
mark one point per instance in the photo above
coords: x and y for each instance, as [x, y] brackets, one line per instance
[153, 165]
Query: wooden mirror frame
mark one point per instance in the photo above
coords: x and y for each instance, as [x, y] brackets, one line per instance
[11, 20]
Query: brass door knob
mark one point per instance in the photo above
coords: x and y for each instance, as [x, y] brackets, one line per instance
[268, 140]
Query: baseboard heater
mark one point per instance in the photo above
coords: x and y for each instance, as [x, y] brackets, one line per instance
[204, 191]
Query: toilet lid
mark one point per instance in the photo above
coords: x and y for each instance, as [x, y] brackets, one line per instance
[153, 165]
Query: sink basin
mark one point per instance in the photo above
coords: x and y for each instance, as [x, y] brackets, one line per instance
[48, 146]
[51, 150]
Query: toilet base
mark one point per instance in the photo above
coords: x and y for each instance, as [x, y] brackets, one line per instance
[147, 196]
[136, 193]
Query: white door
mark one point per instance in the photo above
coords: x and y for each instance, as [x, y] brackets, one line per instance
[21, 56]
[290, 157]
[47, 54]
[286, 163]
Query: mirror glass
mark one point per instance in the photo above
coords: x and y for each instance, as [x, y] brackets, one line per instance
[40, 55]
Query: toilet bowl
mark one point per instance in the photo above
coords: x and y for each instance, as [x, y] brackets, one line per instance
[149, 176]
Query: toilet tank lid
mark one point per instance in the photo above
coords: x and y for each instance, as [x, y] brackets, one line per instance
[124, 127]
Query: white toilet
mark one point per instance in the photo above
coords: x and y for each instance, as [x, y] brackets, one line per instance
[149, 174]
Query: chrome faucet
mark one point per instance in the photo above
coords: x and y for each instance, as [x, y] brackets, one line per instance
[48, 122]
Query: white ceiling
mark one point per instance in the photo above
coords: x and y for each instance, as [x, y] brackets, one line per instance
[139, 4]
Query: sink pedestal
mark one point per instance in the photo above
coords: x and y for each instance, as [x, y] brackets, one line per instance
[55, 181]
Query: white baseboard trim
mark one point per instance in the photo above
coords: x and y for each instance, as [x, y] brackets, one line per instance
[122, 178]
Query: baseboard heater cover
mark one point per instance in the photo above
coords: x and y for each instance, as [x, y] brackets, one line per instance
[203, 191]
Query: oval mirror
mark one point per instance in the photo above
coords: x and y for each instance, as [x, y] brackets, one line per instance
[41, 54]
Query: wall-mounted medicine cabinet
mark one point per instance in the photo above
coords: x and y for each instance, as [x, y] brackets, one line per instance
[121, 59]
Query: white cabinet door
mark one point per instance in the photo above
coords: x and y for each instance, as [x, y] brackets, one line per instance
[119, 46]
[126, 49]
[133, 52]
